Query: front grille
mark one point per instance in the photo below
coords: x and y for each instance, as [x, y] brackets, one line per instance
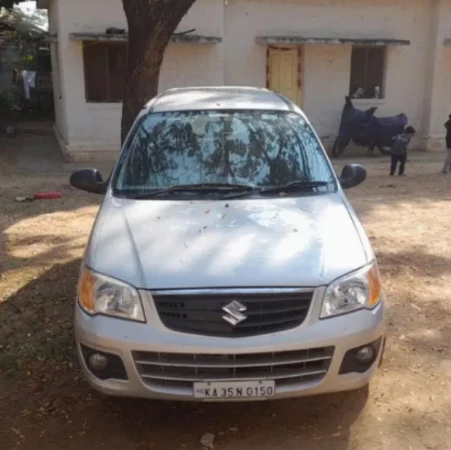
[201, 312]
[180, 370]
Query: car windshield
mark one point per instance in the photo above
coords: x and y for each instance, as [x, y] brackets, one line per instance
[221, 149]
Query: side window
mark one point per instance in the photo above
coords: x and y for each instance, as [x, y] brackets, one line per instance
[367, 72]
[104, 65]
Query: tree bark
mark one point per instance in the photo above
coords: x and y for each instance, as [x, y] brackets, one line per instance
[151, 24]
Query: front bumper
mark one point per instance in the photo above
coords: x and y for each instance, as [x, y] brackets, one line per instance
[127, 339]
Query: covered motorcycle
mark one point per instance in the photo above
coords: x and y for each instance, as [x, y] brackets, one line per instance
[382, 130]
[366, 130]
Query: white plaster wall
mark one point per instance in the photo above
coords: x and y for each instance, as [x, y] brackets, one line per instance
[59, 99]
[96, 127]
[444, 108]
[411, 84]
[438, 99]
[192, 65]
[326, 79]
[326, 74]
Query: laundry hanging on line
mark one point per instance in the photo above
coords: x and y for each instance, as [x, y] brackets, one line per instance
[29, 81]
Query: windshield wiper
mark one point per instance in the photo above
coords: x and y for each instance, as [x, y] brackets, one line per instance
[295, 185]
[201, 187]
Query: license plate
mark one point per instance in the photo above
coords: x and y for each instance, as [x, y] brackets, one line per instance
[234, 389]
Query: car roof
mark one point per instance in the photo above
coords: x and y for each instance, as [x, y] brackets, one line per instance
[214, 98]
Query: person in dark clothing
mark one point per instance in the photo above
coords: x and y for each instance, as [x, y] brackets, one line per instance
[399, 150]
[447, 166]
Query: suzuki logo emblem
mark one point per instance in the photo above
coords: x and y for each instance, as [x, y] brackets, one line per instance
[234, 312]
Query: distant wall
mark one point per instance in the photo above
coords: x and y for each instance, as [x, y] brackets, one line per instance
[94, 127]
[326, 68]
[417, 77]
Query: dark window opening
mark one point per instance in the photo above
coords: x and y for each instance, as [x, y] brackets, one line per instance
[367, 72]
[104, 64]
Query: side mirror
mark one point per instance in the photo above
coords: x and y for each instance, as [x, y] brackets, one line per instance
[352, 175]
[88, 180]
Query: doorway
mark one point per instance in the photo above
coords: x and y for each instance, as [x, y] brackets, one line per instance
[284, 72]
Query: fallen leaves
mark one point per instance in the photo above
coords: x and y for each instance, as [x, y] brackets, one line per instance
[18, 433]
[207, 440]
[42, 394]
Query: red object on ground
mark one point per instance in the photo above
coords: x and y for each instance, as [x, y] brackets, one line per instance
[46, 195]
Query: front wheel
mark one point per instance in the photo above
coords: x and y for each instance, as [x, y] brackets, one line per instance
[338, 148]
[384, 150]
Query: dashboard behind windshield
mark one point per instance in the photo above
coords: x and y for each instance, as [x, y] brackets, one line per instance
[252, 148]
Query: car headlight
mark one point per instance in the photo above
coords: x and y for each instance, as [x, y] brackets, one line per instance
[98, 294]
[360, 289]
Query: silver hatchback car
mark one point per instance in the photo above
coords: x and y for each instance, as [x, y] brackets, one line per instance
[225, 262]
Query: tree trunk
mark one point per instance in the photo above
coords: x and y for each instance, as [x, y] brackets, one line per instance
[151, 24]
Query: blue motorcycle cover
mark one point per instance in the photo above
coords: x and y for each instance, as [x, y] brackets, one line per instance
[353, 121]
[383, 130]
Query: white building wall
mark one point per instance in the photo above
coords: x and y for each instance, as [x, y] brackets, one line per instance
[411, 86]
[192, 65]
[443, 109]
[94, 127]
[326, 74]
[326, 82]
[61, 127]
[437, 105]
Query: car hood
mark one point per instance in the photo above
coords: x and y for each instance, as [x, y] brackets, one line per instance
[167, 244]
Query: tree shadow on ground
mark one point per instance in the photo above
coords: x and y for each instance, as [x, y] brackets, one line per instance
[418, 262]
[45, 401]
[418, 290]
[25, 226]
[420, 191]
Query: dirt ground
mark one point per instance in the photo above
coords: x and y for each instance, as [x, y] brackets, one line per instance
[45, 404]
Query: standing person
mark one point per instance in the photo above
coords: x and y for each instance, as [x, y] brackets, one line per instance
[447, 166]
[399, 150]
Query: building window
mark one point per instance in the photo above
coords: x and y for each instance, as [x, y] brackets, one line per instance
[367, 72]
[105, 64]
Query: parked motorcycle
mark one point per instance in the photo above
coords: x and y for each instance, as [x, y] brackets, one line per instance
[366, 130]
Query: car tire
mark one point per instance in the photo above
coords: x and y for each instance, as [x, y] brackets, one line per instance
[338, 148]
[384, 150]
